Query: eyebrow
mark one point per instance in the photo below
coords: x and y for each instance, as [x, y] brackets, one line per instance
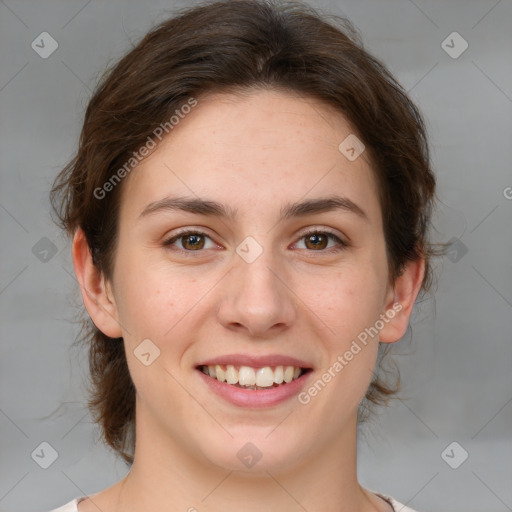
[208, 207]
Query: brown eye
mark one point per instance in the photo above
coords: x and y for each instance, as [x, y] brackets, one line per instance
[316, 241]
[190, 241]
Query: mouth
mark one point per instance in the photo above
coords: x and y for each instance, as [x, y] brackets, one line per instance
[254, 378]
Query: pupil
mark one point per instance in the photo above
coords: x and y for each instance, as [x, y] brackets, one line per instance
[318, 242]
[195, 240]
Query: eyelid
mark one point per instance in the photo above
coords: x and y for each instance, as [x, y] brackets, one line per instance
[322, 230]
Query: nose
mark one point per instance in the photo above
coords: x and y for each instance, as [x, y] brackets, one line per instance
[257, 298]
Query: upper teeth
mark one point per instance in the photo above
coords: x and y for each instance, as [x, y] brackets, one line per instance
[247, 376]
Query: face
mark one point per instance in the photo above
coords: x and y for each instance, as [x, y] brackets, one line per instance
[254, 288]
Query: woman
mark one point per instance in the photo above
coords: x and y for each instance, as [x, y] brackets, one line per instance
[249, 207]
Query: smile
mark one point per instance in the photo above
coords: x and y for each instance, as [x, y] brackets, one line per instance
[247, 377]
[254, 387]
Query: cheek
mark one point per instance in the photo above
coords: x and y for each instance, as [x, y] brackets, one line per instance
[349, 306]
[153, 308]
[147, 303]
[347, 300]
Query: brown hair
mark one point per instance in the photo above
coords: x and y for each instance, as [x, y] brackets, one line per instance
[232, 46]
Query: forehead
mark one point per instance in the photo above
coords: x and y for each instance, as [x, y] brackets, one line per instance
[253, 149]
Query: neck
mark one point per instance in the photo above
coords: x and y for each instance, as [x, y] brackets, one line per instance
[165, 475]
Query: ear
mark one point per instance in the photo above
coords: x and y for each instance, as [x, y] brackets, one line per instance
[400, 301]
[96, 291]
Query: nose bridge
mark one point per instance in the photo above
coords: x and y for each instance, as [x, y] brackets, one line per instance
[256, 297]
[259, 276]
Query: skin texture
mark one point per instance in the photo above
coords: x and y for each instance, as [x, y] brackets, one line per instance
[254, 153]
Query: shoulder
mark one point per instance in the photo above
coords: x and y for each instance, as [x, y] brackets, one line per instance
[397, 506]
[71, 506]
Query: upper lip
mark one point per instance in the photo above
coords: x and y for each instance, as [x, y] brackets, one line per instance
[256, 361]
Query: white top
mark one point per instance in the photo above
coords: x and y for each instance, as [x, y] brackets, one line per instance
[72, 506]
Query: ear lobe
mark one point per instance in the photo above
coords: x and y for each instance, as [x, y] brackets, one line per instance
[400, 302]
[96, 291]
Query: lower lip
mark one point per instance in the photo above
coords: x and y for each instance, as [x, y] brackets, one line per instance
[256, 398]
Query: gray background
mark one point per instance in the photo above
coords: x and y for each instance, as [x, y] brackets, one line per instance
[457, 364]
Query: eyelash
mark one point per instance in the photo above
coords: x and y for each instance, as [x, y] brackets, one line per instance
[182, 234]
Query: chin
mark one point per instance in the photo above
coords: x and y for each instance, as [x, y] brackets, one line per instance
[253, 451]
